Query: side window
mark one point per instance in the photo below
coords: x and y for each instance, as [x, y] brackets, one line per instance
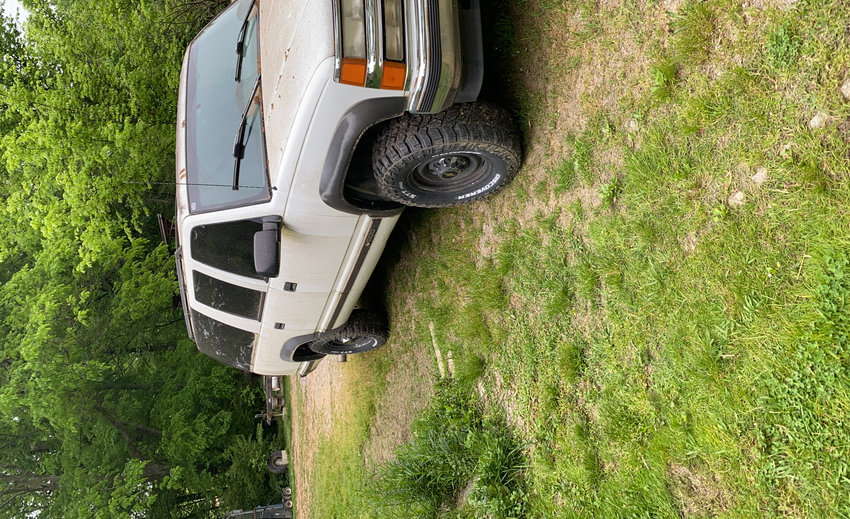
[222, 342]
[228, 298]
[227, 246]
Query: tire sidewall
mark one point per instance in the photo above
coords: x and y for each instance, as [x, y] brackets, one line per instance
[411, 194]
[330, 347]
[273, 466]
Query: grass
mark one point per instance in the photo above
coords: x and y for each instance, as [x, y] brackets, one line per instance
[458, 464]
[655, 350]
[693, 28]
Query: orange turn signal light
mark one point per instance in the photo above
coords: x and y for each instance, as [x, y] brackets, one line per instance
[394, 75]
[353, 71]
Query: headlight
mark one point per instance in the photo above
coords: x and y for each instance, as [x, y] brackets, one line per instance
[393, 30]
[369, 43]
[353, 42]
[395, 71]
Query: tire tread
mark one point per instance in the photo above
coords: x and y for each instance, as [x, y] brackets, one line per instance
[486, 125]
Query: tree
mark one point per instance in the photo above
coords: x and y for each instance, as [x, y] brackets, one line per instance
[107, 409]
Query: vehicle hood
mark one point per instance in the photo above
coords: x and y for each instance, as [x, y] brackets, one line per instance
[295, 38]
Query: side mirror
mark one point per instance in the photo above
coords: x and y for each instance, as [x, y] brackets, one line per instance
[267, 249]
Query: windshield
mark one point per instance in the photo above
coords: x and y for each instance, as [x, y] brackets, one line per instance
[214, 107]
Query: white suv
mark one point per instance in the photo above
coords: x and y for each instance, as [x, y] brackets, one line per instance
[304, 128]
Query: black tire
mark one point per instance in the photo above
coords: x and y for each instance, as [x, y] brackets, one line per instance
[457, 156]
[277, 462]
[364, 331]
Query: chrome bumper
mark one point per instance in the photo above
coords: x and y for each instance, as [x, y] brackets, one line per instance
[434, 54]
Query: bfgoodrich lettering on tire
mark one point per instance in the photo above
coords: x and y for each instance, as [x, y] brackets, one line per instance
[463, 154]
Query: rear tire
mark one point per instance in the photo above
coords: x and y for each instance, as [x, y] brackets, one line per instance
[364, 331]
[457, 156]
[278, 462]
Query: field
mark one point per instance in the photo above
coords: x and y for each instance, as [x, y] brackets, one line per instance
[652, 320]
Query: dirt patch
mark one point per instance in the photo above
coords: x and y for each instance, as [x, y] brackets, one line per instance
[689, 242]
[487, 242]
[321, 396]
[409, 389]
[497, 394]
[697, 494]
[769, 4]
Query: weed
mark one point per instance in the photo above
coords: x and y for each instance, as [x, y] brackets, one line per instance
[693, 28]
[663, 79]
[565, 175]
[804, 430]
[783, 46]
[582, 156]
[453, 446]
[610, 191]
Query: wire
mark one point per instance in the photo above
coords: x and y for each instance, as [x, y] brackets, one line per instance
[188, 184]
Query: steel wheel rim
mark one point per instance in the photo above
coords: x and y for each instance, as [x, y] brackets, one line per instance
[450, 172]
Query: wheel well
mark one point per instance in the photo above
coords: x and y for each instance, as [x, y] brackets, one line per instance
[360, 188]
[303, 353]
[347, 184]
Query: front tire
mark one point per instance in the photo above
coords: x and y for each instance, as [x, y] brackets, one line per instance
[458, 156]
[364, 331]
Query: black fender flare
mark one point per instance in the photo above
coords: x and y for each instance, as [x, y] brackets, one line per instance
[350, 129]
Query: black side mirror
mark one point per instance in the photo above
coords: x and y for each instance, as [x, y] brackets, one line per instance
[267, 248]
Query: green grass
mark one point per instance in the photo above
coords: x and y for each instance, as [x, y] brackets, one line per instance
[458, 464]
[663, 79]
[693, 27]
[660, 351]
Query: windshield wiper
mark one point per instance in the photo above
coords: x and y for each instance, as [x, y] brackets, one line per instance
[240, 43]
[239, 142]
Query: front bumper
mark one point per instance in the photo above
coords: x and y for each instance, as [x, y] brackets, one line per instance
[443, 51]
[435, 59]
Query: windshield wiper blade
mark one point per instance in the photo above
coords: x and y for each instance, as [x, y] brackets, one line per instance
[239, 141]
[240, 43]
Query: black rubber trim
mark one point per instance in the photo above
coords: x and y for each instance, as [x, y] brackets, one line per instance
[351, 127]
[472, 74]
[436, 59]
[289, 347]
[361, 258]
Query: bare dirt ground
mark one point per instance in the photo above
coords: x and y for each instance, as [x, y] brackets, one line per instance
[322, 396]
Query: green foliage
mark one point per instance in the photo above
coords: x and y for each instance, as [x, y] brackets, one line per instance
[453, 447]
[247, 482]
[803, 431]
[113, 412]
[783, 46]
[610, 191]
